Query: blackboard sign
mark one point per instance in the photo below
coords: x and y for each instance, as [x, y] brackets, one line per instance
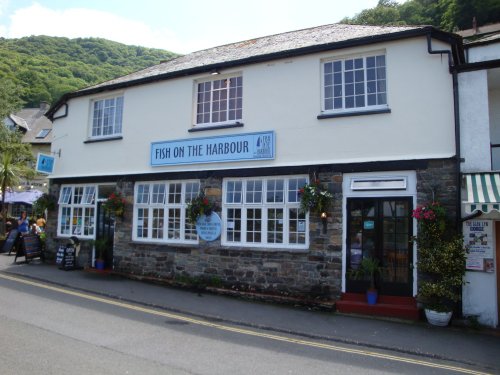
[31, 247]
[68, 262]
[66, 258]
[60, 255]
[10, 241]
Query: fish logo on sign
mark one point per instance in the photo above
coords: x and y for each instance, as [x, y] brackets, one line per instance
[263, 147]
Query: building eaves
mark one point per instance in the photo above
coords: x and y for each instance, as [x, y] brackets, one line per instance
[290, 44]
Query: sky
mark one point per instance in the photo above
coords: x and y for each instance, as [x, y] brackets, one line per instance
[180, 26]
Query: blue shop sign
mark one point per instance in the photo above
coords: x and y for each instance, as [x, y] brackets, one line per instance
[240, 147]
[45, 163]
[208, 227]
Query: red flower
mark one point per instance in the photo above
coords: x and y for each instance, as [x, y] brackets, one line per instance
[205, 201]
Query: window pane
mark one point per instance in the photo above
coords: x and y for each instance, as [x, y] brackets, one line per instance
[275, 191]
[254, 225]
[78, 195]
[88, 221]
[89, 195]
[233, 225]
[65, 196]
[234, 192]
[77, 221]
[174, 223]
[297, 226]
[158, 220]
[275, 225]
[158, 195]
[142, 194]
[254, 191]
[294, 186]
[142, 222]
[65, 220]
[174, 193]
[192, 190]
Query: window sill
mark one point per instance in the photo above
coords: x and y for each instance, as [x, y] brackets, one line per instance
[103, 139]
[355, 113]
[216, 127]
[239, 247]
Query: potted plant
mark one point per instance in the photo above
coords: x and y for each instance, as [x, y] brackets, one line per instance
[101, 248]
[315, 197]
[200, 205]
[441, 264]
[369, 268]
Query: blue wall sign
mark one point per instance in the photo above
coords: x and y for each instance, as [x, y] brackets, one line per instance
[208, 227]
[240, 147]
[45, 163]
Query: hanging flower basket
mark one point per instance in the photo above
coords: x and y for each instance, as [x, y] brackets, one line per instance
[115, 204]
[315, 197]
[198, 206]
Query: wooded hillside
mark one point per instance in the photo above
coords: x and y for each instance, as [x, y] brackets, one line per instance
[45, 67]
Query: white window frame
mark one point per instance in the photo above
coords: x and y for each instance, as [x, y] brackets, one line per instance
[366, 107]
[82, 226]
[264, 206]
[232, 103]
[112, 111]
[151, 202]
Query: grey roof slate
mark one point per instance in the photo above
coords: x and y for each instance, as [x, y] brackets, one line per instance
[265, 46]
[35, 121]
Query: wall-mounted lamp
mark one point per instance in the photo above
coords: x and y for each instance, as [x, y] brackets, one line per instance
[324, 220]
[214, 72]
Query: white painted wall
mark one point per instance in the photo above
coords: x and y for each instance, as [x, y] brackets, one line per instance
[483, 53]
[284, 96]
[479, 297]
[474, 121]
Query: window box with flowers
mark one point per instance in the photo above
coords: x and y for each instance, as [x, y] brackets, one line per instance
[198, 206]
[441, 264]
[115, 204]
[315, 197]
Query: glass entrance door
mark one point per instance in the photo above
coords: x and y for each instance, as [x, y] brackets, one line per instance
[381, 228]
[106, 229]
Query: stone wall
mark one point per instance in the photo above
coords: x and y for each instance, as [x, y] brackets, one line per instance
[305, 273]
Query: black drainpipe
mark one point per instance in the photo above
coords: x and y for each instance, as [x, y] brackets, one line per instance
[453, 71]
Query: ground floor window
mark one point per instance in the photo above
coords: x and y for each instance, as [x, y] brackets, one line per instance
[264, 212]
[77, 209]
[160, 211]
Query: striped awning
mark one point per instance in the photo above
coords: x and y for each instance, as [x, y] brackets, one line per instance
[483, 192]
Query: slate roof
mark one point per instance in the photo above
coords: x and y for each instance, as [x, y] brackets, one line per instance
[34, 121]
[293, 43]
[265, 46]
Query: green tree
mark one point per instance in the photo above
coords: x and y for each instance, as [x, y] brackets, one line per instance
[10, 97]
[10, 174]
[15, 157]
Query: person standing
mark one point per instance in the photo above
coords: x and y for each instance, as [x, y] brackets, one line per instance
[23, 224]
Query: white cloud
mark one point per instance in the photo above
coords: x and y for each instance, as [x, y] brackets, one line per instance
[81, 22]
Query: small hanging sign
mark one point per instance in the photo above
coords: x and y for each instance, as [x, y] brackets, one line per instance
[209, 227]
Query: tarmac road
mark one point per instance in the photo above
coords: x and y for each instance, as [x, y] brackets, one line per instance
[320, 333]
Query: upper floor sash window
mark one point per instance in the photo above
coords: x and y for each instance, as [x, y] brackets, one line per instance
[219, 101]
[354, 84]
[107, 117]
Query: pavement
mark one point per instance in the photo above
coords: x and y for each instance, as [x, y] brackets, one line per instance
[479, 348]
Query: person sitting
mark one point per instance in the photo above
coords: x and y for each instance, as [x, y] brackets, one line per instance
[40, 222]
